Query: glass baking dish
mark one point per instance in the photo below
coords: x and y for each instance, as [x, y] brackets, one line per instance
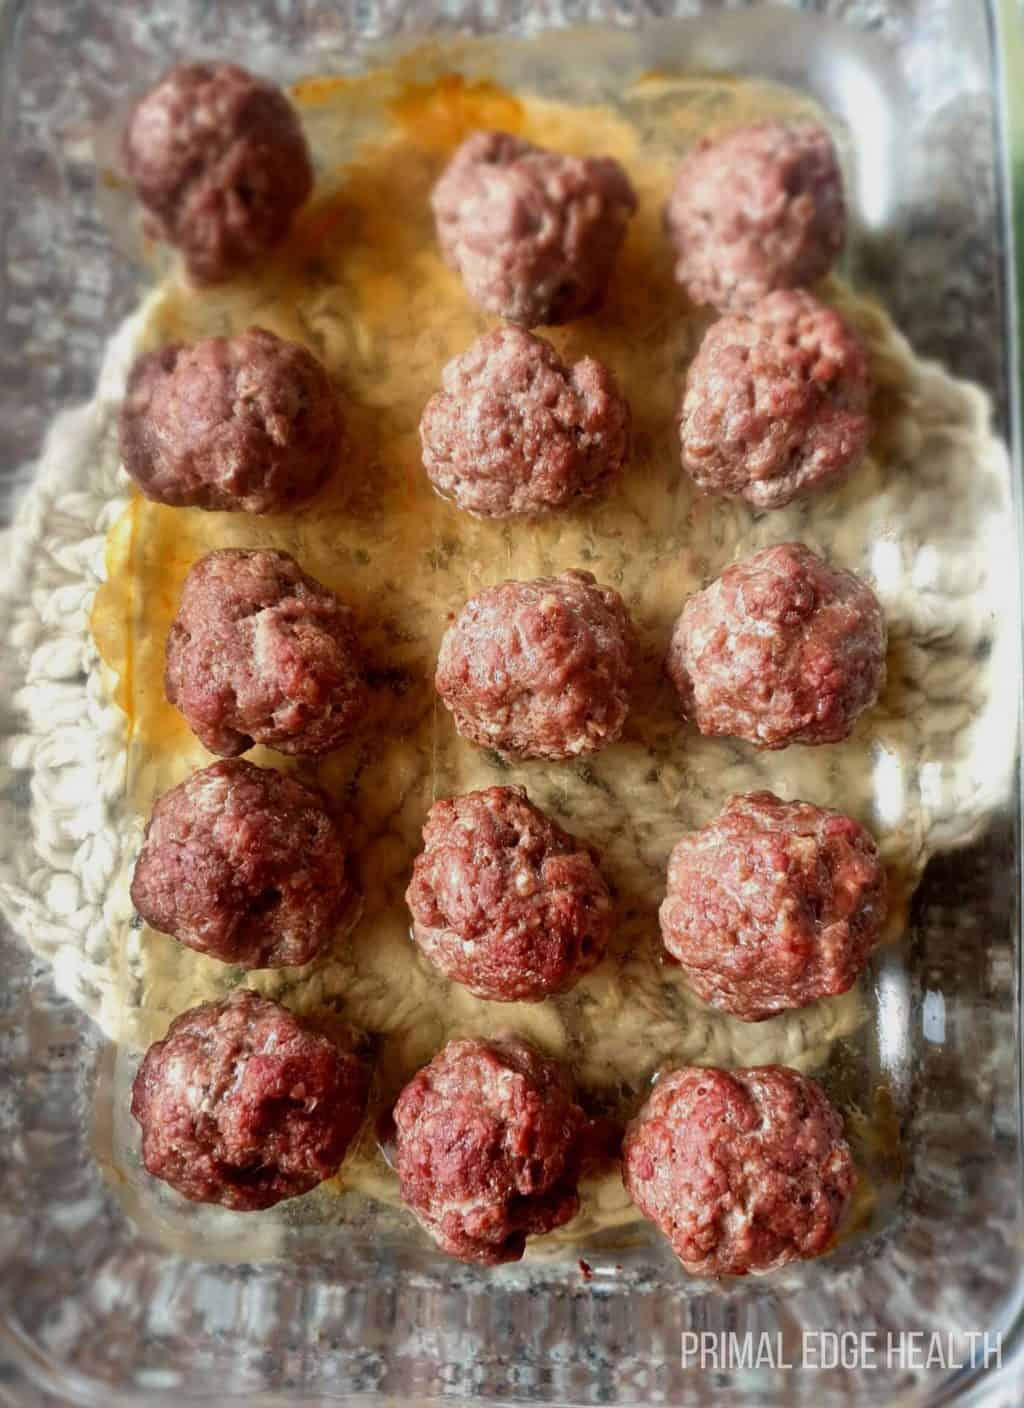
[97, 1306]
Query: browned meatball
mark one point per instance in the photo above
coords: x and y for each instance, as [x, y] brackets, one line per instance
[243, 1104]
[219, 161]
[776, 402]
[243, 864]
[539, 669]
[743, 1171]
[781, 649]
[488, 1147]
[245, 423]
[516, 431]
[533, 233]
[504, 901]
[261, 653]
[773, 905]
[758, 209]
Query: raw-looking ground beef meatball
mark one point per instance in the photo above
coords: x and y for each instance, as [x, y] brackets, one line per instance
[781, 649]
[533, 233]
[504, 901]
[539, 669]
[219, 161]
[261, 653]
[516, 431]
[773, 905]
[488, 1148]
[776, 402]
[245, 423]
[244, 864]
[743, 1171]
[758, 209]
[243, 1104]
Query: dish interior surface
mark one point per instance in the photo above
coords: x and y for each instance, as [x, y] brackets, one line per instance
[360, 281]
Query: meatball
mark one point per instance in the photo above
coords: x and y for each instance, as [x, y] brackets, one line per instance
[533, 233]
[218, 159]
[488, 1148]
[234, 423]
[261, 653]
[539, 669]
[743, 1171]
[776, 402]
[504, 901]
[781, 649]
[243, 1104]
[773, 905]
[243, 864]
[516, 431]
[758, 209]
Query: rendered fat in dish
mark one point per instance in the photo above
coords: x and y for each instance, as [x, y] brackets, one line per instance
[219, 161]
[489, 1143]
[758, 209]
[244, 1105]
[533, 233]
[539, 669]
[247, 423]
[743, 1171]
[776, 402]
[781, 649]
[259, 652]
[504, 901]
[244, 864]
[773, 905]
[515, 431]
